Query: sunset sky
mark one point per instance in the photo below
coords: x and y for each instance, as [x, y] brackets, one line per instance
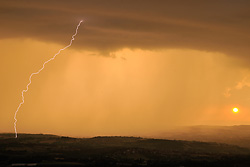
[136, 67]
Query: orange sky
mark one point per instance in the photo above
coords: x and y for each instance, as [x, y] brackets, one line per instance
[125, 74]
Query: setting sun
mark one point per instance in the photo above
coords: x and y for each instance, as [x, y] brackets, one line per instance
[235, 110]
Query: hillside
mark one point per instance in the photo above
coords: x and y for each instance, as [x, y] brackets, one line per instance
[51, 150]
[234, 135]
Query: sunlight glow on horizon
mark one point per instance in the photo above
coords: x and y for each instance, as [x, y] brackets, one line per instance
[235, 110]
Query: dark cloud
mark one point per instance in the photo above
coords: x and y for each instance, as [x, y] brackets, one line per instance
[214, 25]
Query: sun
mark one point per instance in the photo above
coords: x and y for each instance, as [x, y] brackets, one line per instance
[235, 110]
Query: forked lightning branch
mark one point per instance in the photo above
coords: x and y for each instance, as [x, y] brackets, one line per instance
[35, 73]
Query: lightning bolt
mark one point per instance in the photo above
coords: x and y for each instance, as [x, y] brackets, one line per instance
[35, 73]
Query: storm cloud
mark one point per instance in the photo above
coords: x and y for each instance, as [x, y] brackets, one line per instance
[214, 25]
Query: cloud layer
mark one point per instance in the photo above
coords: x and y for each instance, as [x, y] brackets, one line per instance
[218, 26]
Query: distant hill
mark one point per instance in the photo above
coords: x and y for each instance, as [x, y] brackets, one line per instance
[51, 150]
[235, 135]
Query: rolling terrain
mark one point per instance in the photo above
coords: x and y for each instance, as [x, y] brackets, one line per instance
[51, 150]
[234, 135]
